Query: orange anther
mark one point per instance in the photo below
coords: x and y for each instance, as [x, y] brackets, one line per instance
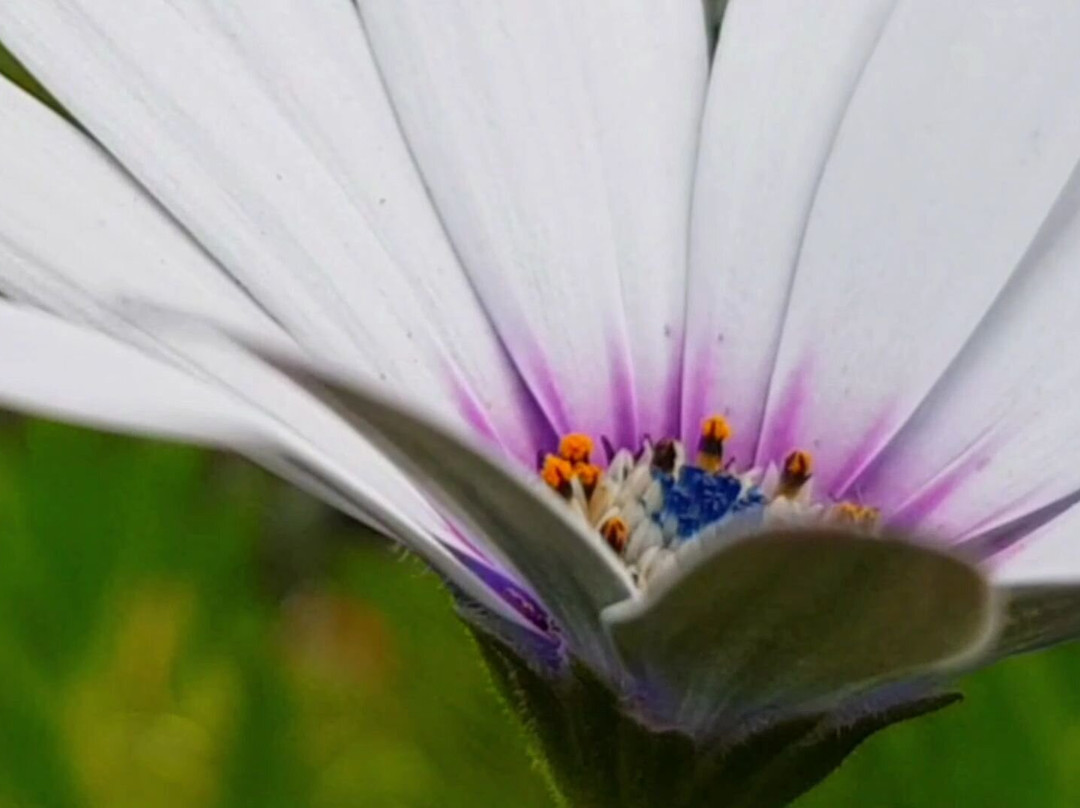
[798, 465]
[576, 447]
[588, 475]
[715, 428]
[557, 473]
[797, 470]
[714, 431]
[616, 533]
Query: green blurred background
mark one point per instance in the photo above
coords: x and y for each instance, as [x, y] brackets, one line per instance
[178, 629]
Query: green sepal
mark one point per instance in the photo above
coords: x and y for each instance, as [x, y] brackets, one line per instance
[595, 755]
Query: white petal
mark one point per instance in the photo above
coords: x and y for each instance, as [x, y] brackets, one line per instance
[1000, 434]
[205, 104]
[75, 231]
[1048, 555]
[954, 148]
[645, 67]
[115, 243]
[63, 371]
[783, 75]
[516, 127]
[200, 347]
[573, 573]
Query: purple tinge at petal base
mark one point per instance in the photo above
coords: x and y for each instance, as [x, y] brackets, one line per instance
[511, 592]
[780, 427]
[918, 510]
[535, 423]
[998, 540]
[615, 412]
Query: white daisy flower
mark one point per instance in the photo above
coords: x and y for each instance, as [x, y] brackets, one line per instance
[729, 390]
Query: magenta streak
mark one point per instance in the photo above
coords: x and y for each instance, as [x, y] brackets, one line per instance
[669, 419]
[499, 581]
[538, 428]
[474, 415]
[658, 415]
[1000, 515]
[703, 396]
[541, 382]
[698, 381]
[673, 396]
[781, 426]
[615, 405]
[541, 436]
[624, 415]
[917, 511]
[662, 415]
[877, 437]
[993, 543]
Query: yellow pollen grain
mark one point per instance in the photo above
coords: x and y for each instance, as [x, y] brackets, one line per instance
[576, 448]
[557, 473]
[849, 513]
[716, 428]
[616, 533]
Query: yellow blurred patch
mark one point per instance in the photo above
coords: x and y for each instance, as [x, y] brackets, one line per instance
[142, 730]
[354, 733]
[336, 640]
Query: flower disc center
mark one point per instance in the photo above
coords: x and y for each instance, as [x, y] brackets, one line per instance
[650, 503]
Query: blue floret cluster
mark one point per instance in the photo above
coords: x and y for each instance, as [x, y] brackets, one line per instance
[696, 499]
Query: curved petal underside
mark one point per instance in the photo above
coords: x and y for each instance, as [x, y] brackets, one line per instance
[60, 370]
[795, 620]
[572, 570]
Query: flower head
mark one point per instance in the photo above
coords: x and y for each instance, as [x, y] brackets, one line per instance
[738, 379]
